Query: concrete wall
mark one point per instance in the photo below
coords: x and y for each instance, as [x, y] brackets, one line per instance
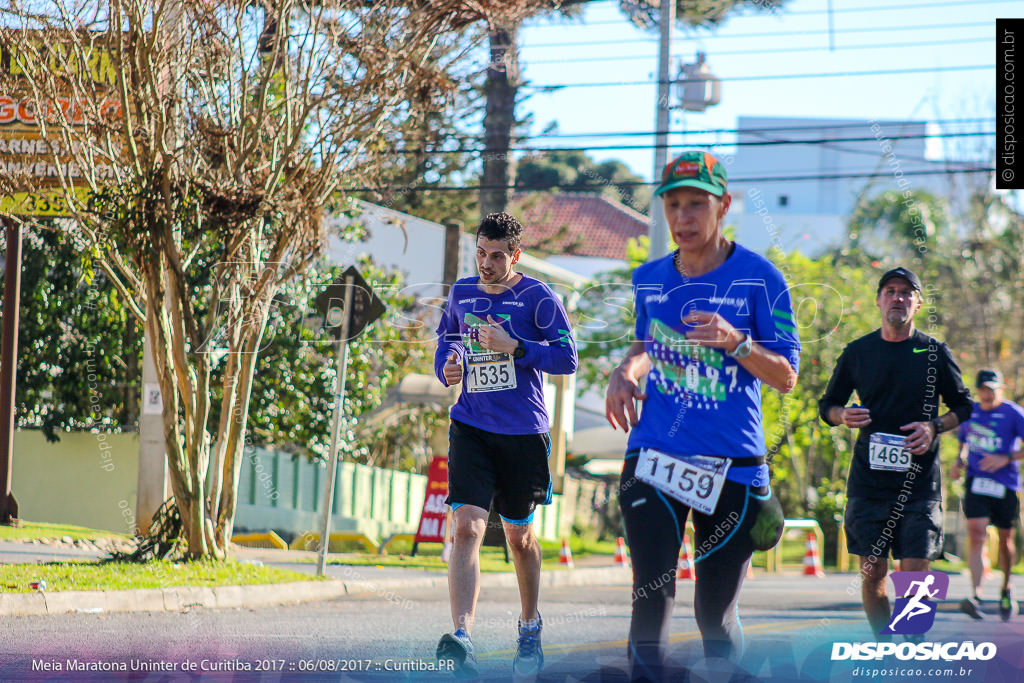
[84, 479]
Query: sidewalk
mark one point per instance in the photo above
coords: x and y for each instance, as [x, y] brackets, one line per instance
[342, 580]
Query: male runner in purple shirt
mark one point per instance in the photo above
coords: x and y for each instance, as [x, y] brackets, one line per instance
[988, 450]
[498, 333]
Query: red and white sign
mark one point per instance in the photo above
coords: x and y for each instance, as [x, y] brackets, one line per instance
[432, 519]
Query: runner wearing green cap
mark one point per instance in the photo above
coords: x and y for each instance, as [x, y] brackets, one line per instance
[713, 321]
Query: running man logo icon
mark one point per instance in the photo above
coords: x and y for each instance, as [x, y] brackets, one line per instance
[914, 611]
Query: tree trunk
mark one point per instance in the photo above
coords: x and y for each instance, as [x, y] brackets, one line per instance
[224, 520]
[499, 118]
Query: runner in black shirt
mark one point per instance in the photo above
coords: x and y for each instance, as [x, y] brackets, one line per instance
[895, 496]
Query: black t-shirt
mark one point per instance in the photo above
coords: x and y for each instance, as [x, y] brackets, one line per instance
[899, 382]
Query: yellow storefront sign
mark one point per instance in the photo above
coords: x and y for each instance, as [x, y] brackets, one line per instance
[50, 203]
[41, 165]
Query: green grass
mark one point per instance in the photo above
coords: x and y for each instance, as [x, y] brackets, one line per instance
[580, 547]
[948, 567]
[88, 576]
[492, 559]
[30, 530]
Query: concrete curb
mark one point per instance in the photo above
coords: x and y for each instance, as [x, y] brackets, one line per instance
[180, 598]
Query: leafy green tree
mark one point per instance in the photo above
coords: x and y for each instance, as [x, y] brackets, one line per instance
[576, 171]
[78, 365]
[293, 397]
[219, 158]
[79, 349]
[899, 227]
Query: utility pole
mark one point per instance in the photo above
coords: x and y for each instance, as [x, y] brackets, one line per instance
[9, 369]
[152, 489]
[452, 251]
[662, 107]
[500, 116]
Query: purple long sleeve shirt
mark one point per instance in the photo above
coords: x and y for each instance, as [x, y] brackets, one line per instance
[531, 313]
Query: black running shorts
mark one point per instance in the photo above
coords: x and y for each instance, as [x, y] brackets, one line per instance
[510, 468]
[1002, 513]
[910, 530]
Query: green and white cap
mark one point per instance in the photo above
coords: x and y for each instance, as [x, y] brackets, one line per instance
[694, 169]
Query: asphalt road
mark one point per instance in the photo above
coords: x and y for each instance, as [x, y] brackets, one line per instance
[24, 553]
[791, 624]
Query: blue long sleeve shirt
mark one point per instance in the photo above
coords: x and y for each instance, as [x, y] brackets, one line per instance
[530, 312]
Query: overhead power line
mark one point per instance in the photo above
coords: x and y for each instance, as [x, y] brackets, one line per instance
[599, 186]
[842, 10]
[815, 48]
[772, 34]
[764, 130]
[843, 74]
[771, 129]
[747, 143]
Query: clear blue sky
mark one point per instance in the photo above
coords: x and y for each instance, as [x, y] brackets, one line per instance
[927, 34]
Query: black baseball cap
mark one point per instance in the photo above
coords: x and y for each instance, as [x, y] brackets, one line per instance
[902, 272]
[993, 379]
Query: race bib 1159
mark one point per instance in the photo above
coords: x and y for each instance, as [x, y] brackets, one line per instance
[695, 481]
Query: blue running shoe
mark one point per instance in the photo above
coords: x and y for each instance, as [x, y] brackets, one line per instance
[457, 648]
[529, 653]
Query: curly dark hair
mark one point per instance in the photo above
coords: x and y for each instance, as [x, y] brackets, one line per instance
[501, 226]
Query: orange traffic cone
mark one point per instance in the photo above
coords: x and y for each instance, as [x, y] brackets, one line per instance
[750, 569]
[565, 555]
[621, 558]
[685, 568]
[812, 561]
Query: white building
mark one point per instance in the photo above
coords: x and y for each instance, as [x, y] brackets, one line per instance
[823, 182]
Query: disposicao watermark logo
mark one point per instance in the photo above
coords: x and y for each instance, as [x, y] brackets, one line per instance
[915, 613]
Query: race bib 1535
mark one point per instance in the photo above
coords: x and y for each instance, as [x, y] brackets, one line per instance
[489, 372]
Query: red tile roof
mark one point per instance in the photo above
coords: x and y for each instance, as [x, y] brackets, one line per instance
[576, 223]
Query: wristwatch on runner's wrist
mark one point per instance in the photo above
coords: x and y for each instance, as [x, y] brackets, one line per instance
[520, 350]
[742, 349]
[937, 422]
